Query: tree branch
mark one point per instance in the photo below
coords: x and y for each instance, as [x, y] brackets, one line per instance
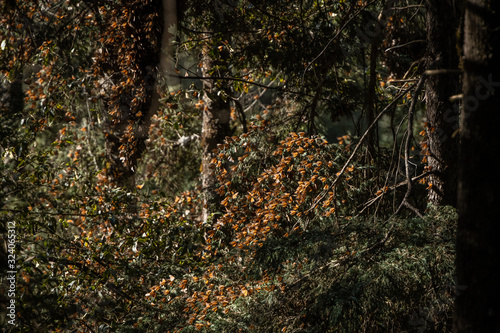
[409, 137]
[363, 137]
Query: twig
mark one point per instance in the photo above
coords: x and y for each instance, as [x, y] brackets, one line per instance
[430, 72]
[321, 196]
[391, 188]
[335, 37]
[229, 78]
[405, 44]
[402, 81]
[409, 137]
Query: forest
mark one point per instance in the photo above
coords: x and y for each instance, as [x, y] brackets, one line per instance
[249, 166]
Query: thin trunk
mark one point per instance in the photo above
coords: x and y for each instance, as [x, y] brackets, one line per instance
[370, 99]
[369, 107]
[441, 114]
[215, 127]
[477, 306]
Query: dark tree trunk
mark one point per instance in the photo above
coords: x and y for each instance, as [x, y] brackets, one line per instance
[370, 103]
[441, 114]
[16, 95]
[477, 304]
[128, 128]
[11, 110]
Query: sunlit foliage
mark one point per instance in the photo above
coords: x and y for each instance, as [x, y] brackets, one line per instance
[106, 195]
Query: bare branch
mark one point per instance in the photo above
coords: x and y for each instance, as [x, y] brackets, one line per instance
[405, 44]
[409, 137]
[361, 140]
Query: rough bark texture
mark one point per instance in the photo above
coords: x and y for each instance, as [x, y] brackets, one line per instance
[478, 248]
[441, 114]
[215, 127]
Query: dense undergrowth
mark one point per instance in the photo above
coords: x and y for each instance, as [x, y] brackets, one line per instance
[284, 252]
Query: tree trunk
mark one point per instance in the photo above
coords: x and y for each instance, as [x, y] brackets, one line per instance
[154, 66]
[215, 127]
[369, 107]
[11, 110]
[441, 114]
[477, 306]
[370, 103]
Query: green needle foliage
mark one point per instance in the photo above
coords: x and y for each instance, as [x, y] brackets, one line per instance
[317, 228]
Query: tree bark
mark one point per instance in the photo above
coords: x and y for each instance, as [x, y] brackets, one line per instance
[477, 306]
[441, 114]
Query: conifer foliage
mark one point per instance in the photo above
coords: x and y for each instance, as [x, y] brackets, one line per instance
[299, 118]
